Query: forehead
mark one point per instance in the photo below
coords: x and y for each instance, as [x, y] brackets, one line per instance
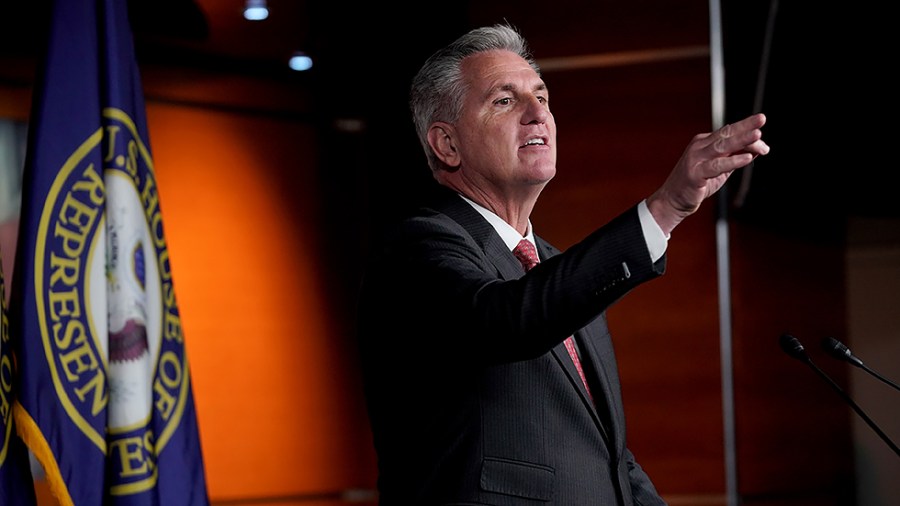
[499, 69]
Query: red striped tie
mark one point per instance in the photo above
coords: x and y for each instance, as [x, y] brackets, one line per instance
[526, 254]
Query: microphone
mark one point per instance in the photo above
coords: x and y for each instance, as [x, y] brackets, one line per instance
[840, 351]
[792, 346]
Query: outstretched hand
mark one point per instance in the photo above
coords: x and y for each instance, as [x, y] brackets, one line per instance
[703, 168]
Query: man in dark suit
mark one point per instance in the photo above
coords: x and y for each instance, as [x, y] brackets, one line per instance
[489, 379]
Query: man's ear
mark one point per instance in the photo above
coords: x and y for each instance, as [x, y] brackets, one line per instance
[442, 139]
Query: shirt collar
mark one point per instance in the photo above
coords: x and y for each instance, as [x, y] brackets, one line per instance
[510, 235]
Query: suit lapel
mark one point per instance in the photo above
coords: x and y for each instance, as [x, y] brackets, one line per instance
[603, 397]
[509, 267]
[601, 388]
[565, 361]
[483, 233]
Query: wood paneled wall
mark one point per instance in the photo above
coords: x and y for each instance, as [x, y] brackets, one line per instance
[266, 214]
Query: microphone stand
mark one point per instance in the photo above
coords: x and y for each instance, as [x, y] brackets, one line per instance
[791, 345]
[840, 351]
[880, 377]
[853, 405]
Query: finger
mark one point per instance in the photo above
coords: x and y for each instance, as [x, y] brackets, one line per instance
[733, 129]
[734, 140]
[749, 123]
[745, 131]
[757, 148]
[726, 164]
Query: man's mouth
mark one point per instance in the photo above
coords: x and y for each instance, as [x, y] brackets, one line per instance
[537, 141]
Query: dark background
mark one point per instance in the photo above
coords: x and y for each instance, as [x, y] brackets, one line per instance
[822, 73]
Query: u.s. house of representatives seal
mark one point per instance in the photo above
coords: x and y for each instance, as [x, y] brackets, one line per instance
[106, 303]
[6, 378]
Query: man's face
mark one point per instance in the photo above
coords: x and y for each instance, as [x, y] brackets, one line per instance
[506, 133]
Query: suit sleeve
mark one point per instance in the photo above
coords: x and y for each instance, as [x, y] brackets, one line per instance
[435, 272]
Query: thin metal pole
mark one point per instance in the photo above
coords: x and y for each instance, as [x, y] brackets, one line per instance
[717, 74]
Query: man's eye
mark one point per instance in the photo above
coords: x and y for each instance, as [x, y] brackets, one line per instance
[504, 101]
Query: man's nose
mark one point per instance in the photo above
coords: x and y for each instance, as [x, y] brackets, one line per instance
[536, 112]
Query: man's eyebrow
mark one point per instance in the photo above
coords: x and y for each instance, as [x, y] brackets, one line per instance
[512, 87]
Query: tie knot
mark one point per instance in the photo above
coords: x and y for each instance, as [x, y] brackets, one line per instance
[526, 254]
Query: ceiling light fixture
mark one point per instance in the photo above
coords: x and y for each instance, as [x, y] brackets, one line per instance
[256, 10]
[300, 61]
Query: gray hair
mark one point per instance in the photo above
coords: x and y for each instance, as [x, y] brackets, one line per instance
[438, 88]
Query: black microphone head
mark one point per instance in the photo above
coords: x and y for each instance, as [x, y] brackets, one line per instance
[834, 347]
[839, 351]
[792, 346]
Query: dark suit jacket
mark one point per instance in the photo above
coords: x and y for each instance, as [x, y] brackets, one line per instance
[472, 397]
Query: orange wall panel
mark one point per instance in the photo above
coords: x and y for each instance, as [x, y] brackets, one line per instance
[278, 415]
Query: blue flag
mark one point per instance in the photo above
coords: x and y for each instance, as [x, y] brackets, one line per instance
[104, 395]
[16, 485]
